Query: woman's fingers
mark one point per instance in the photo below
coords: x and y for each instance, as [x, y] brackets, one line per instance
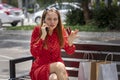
[76, 31]
[45, 27]
[68, 30]
[73, 34]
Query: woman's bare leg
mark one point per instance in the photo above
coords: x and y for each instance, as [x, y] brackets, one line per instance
[53, 76]
[59, 69]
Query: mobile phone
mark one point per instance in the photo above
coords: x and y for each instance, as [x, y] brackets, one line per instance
[46, 27]
[68, 30]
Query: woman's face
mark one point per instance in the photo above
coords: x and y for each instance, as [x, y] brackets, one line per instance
[51, 20]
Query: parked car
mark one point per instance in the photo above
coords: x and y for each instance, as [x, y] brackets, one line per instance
[10, 14]
[9, 19]
[63, 8]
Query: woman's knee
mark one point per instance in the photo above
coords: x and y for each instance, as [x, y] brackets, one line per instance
[60, 66]
[57, 67]
[53, 76]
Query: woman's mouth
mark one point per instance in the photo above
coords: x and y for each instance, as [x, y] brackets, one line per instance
[52, 25]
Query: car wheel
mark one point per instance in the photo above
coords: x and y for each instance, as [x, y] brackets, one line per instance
[37, 20]
[14, 23]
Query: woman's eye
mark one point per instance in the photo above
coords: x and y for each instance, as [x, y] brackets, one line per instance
[55, 19]
[49, 19]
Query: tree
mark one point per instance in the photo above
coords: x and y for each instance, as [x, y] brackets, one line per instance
[86, 10]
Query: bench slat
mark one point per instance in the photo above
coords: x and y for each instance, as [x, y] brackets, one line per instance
[98, 47]
[72, 73]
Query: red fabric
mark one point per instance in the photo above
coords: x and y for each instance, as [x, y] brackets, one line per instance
[44, 57]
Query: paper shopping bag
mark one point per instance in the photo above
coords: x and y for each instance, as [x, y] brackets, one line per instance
[88, 70]
[94, 69]
[84, 70]
[93, 74]
[81, 75]
[107, 72]
[97, 64]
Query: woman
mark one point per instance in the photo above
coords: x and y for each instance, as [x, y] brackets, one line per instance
[46, 43]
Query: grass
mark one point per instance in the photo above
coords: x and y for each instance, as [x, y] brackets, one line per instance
[81, 28]
[88, 28]
[28, 27]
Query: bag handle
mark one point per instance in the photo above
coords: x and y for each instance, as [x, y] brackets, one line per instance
[87, 56]
[109, 55]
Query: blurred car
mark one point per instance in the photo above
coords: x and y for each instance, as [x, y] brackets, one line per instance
[7, 19]
[63, 8]
[10, 14]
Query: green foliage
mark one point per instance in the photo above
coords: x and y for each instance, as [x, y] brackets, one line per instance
[87, 28]
[107, 17]
[14, 3]
[44, 3]
[115, 2]
[30, 10]
[75, 17]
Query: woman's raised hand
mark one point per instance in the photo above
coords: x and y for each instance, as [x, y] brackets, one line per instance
[72, 36]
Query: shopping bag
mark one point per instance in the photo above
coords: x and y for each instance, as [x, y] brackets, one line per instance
[88, 70]
[107, 71]
[84, 70]
[85, 67]
[96, 69]
[93, 72]
[81, 75]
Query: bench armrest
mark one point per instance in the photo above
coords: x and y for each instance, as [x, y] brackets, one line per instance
[12, 65]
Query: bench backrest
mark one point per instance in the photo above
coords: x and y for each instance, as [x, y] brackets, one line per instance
[98, 52]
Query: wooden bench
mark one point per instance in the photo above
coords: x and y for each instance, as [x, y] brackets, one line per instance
[99, 52]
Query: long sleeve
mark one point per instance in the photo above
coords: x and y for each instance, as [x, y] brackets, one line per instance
[36, 44]
[68, 49]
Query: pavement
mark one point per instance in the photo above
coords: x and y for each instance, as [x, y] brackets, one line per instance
[15, 44]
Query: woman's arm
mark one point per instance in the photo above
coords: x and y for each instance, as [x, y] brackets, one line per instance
[36, 44]
[69, 47]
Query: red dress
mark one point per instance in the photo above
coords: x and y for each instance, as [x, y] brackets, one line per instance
[40, 69]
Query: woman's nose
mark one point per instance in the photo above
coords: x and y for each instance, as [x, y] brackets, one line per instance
[52, 21]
